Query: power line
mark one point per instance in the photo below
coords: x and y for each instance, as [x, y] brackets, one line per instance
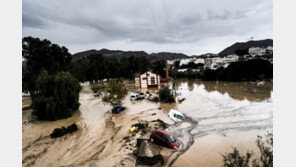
[154, 19]
[166, 14]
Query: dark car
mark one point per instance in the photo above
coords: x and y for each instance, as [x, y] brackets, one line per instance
[117, 109]
[164, 138]
[140, 97]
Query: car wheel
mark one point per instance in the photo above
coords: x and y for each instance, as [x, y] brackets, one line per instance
[152, 140]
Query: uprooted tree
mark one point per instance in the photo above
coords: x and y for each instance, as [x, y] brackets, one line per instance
[235, 159]
[114, 92]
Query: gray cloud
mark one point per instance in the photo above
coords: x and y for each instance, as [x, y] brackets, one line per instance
[226, 15]
[29, 21]
[192, 27]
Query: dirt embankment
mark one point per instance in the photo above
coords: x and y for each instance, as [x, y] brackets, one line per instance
[101, 139]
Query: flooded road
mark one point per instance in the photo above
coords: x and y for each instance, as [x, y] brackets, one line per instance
[222, 115]
[219, 116]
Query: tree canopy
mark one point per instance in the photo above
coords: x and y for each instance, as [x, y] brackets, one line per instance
[42, 55]
[165, 95]
[57, 96]
[114, 92]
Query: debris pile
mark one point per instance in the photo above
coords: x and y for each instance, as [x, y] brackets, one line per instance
[148, 154]
[145, 152]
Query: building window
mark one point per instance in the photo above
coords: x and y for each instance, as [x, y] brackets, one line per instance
[152, 80]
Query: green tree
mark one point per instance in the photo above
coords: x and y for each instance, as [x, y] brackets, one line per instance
[177, 64]
[97, 67]
[235, 159]
[42, 55]
[79, 69]
[158, 67]
[57, 96]
[114, 92]
[165, 95]
[266, 151]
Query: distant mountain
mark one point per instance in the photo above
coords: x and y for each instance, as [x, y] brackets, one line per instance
[205, 55]
[245, 45]
[109, 53]
[119, 54]
[168, 56]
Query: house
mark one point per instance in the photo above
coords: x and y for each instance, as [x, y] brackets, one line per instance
[208, 63]
[199, 60]
[146, 80]
[232, 58]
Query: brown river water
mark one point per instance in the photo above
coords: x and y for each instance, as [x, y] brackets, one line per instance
[219, 116]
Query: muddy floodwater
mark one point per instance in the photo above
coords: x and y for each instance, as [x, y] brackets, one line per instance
[219, 116]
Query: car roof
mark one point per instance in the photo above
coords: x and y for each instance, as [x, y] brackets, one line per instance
[162, 131]
[175, 112]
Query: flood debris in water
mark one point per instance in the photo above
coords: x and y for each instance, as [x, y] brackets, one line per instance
[149, 154]
[147, 127]
[59, 132]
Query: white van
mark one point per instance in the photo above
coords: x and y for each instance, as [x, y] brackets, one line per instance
[176, 115]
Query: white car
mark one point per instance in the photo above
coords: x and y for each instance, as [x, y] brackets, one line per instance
[148, 95]
[176, 115]
[133, 97]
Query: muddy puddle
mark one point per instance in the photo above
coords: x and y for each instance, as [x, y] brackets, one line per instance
[219, 116]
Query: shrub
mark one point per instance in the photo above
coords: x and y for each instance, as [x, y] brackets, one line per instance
[165, 95]
[57, 96]
[155, 99]
[95, 88]
[235, 159]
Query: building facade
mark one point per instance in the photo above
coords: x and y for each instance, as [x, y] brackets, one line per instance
[146, 80]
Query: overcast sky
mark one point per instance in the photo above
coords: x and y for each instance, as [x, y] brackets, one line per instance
[186, 26]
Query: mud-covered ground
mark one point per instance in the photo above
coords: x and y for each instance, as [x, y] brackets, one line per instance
[99, 140]
[219, 116]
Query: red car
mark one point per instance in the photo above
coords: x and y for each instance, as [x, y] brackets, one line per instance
[164, 137]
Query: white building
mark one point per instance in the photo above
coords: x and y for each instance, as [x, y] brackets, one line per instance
[232, 58]
[257, 51]
[186, 61]
[199, 60]
[269, 48]
[208, 63]
[148, 79]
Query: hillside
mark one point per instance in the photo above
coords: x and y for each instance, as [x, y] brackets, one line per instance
[245, 45]
[119, 54]
[206, 55]
[109, 53]
[168, 55]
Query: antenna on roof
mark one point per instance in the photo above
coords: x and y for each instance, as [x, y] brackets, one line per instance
[250, 39]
